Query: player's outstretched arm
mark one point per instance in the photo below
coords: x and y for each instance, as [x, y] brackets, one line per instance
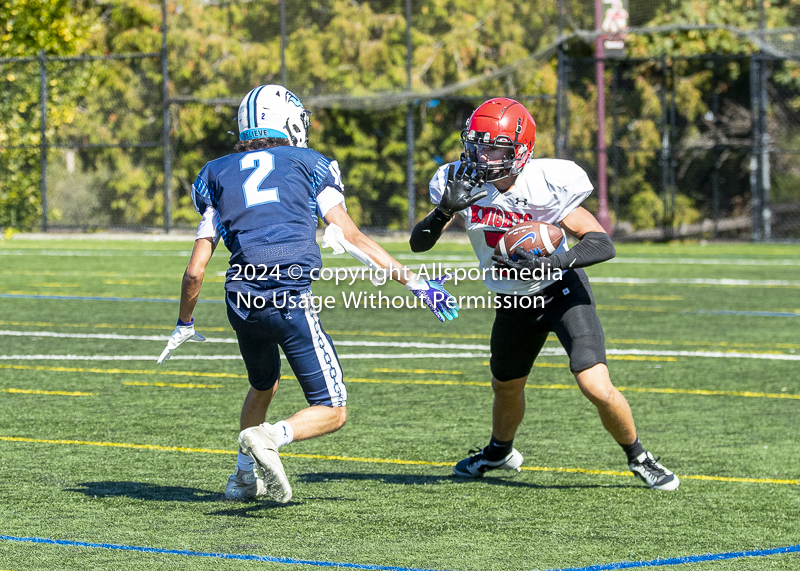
[431, 292]
[428, 230]
[194, 275]
[190, 292]
[463, 188]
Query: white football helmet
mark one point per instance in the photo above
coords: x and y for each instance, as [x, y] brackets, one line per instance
[273, 111]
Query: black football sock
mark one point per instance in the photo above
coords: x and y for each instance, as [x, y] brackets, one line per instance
[498, 450]
[633, 451]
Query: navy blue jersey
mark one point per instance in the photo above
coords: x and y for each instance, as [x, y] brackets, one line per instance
[266, 201]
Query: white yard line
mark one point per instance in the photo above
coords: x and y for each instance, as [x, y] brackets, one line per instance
[231, 357]
[556, 351]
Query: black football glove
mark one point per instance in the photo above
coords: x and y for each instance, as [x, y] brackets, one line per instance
[458, 192]
[524, 260]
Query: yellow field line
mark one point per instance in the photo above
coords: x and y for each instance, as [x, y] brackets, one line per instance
[122, 371]
[639, 358]
[164, 327]
[573, 387]
[384, 460]
[705, 285]
[420, 382]
[652, 297]
[175, 385]
[389, 381]
[418, 371]
[410, 334]
[711, 393]
[118, 445]
[702, 343]
[37, 392]
[634, 308]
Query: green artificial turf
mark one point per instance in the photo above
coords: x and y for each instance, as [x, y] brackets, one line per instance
[379, 492]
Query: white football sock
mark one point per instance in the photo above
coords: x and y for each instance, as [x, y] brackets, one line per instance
[245, 463]
[284, 432]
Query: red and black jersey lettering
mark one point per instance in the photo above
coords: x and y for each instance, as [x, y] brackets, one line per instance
[497, 217]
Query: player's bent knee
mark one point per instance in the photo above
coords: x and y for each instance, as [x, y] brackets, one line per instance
[595, 384]
[508, 387]
[341, 415]
[263, 384]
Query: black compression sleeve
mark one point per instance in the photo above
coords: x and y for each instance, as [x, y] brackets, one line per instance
[593, 248]
[427, 231]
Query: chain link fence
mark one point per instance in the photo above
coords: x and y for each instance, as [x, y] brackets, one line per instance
[700, 146]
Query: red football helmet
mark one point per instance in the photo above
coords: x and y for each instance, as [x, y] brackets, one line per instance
[499, 123]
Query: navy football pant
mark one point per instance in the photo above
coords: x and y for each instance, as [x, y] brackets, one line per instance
[307, 347]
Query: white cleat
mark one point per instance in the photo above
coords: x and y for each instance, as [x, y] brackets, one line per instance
[650, 471]
[478, 464]
[244, 486]
[258, 443]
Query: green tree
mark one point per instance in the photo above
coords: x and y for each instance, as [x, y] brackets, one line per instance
[27, 28]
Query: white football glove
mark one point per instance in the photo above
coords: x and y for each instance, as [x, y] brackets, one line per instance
[181, 334]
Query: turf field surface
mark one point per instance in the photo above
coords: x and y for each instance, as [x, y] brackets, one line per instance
[107, 456]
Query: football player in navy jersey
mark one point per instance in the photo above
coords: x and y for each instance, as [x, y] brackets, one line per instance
[493, 187]
[264, 201]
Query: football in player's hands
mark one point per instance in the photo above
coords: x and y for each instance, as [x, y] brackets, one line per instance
[540, 238]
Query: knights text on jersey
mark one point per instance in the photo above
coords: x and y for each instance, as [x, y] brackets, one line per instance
[265, 204]
[546, 190]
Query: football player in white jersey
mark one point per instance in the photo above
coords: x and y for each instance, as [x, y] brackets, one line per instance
[495, 186]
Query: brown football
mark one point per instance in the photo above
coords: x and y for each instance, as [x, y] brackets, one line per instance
[540, 238]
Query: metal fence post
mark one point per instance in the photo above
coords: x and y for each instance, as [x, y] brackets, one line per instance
[766, 212]
[283, 43]
[166, 137]
[560, 86]
[560, 154]
[664, 148]
[672, 162]
[565, 109]
[43, 134]
[412, 198]
[614, 144]
[715, 172]
[755, 179]
[602, 153]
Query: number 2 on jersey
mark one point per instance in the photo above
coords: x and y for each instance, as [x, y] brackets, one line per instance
[264, 163]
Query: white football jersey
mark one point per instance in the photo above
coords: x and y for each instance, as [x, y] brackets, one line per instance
[546, 190]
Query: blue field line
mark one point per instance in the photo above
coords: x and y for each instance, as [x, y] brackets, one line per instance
[747, 313]
[265, 558]
[100, 298]
[291, 561]
[682, 560]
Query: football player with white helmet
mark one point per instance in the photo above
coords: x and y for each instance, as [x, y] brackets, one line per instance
[264, 201]
[495, 186]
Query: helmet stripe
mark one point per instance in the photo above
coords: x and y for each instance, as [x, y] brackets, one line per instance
[249, 99]
[252, 115]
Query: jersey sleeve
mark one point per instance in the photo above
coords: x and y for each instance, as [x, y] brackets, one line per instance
[209, 226]
[575, 185]
[438, 182]
[201, 191]
[329, 188]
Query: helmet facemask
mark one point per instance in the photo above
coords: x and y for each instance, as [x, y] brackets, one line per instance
[512, 161]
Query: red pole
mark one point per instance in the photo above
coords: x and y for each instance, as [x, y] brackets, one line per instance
[602, 187]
